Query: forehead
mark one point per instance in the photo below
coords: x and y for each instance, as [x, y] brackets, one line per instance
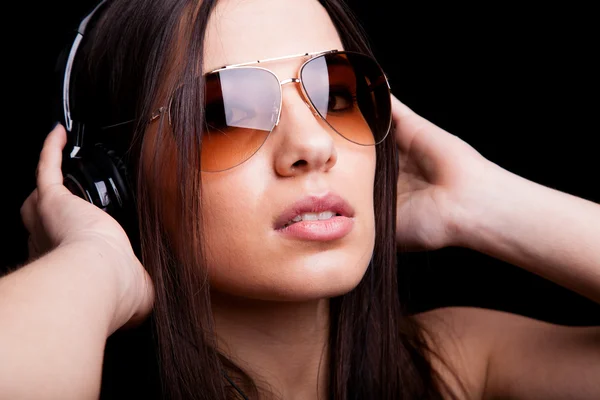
[247, 30]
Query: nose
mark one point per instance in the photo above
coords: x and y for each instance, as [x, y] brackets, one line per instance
[305, 141]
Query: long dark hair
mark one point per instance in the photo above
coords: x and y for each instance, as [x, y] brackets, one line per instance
[377, 350]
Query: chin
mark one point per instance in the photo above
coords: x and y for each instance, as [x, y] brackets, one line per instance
[305, 279]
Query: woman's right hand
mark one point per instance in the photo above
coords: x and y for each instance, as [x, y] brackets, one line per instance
[55, 217]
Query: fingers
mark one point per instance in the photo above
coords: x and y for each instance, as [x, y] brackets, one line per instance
[49, 166]
[401, 110]
[409, 124]
[405, 118]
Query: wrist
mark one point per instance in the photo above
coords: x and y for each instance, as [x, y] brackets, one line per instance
[108, 269]
[480, 207]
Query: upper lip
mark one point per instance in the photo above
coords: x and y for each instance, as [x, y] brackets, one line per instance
[315, 204]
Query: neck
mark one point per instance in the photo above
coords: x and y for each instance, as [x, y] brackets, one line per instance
[281, 345]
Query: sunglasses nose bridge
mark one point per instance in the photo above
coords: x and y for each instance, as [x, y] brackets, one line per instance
[306, 103]
[290, 80]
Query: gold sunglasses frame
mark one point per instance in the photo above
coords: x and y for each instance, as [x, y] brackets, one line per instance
[158, 113]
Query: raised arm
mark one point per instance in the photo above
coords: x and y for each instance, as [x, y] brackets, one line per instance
[56, 312]
[448, 194]
[545, 231]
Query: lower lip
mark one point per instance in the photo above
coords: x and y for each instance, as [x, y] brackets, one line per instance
[321, 230]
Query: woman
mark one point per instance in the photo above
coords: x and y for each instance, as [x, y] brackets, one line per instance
[251, 296]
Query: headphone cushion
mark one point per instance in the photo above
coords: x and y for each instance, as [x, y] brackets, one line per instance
[115, 171]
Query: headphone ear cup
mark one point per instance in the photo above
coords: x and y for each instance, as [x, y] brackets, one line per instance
[116, 172]
[100, 177]
[85, 180]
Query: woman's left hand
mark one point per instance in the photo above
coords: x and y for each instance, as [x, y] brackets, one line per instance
[439, 176]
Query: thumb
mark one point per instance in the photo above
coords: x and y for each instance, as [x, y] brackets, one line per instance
[49, 171]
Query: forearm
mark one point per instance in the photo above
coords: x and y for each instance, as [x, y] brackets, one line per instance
[54, 318]
[545, 231]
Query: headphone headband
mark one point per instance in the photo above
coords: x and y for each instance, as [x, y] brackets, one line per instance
[69, 124]
[93, 171]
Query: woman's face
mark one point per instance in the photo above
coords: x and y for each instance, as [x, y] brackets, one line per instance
[303, 159]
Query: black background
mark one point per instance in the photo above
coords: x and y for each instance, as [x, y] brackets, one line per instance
[520, 85]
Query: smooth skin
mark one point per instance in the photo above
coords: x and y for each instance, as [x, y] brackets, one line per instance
[86, 282]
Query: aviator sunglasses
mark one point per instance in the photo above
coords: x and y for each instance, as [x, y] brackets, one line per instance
[242, 104]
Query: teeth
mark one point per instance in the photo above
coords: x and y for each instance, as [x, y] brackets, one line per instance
[326, 215]
[312, 217]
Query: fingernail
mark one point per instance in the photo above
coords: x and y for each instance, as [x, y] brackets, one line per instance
[55, 125]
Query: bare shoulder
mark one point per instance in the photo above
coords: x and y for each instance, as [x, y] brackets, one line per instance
[483, 353]
[459, 349]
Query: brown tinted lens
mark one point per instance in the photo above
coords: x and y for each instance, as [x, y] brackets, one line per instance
[241, 109]
[350, 92]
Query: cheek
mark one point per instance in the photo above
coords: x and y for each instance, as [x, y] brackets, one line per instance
[247, 258]
[233, 218]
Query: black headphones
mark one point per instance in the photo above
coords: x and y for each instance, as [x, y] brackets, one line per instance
[91, 170]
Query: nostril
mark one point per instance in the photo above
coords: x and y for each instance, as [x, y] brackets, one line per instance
[299, 163]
